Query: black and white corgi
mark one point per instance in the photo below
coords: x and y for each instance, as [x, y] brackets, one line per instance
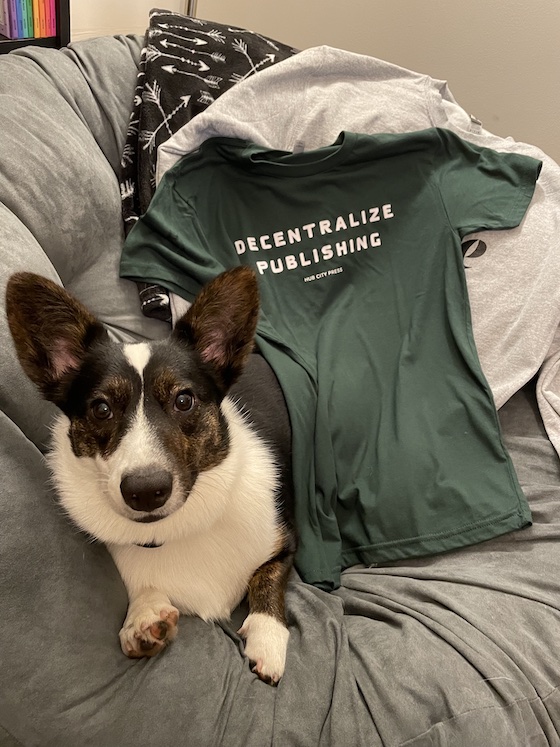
[153, 458]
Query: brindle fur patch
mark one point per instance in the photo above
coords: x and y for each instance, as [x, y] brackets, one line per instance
[166, 385]
[90, 436]
[198, 438]
[267, 586]
[203, 448]
[209, 445]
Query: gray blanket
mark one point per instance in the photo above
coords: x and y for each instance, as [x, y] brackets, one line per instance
[459, 649]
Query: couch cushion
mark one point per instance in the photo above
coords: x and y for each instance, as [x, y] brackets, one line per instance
[63, 117]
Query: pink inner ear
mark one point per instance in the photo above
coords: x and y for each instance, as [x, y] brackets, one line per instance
[214, 352]
[62, 358]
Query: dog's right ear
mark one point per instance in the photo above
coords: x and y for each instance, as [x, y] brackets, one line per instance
[221, 323]
[52, 332]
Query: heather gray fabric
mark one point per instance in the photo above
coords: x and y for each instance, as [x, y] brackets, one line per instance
[460, 649]
[63, 121]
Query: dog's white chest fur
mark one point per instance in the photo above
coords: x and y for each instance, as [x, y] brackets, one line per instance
[203, 576]
[210, 547]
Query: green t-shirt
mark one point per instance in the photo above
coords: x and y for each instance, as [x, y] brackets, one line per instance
[365, 320]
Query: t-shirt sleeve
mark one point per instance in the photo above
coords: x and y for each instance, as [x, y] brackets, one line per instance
[168, 247]
[482, 188]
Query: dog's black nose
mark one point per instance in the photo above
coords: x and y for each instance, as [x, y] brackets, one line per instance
[146, 491]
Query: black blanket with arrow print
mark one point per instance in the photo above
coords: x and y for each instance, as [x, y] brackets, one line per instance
[186, 64]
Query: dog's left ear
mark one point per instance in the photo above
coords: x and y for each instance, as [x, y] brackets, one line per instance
[52, 332]
[222, 321]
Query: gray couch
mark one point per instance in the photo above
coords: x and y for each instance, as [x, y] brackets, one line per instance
[461, 649]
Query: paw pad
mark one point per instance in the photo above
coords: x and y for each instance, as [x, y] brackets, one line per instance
[149, 632]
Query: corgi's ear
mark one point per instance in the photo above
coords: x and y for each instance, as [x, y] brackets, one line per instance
[222, 321]
[52, 332]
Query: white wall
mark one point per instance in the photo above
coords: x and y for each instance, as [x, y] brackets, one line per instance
[99, 17]
[501, 57]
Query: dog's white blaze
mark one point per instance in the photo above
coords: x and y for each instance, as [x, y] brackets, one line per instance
[139, 443]
[138, 354]
[139, 448]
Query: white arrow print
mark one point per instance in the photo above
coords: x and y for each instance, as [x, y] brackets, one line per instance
[150, 142]
[193, 39]
[254, 68]
[216, 56]
[127, 189]
[213, 33]
[241, 46]
[154, 54]
[211, 80]
[263, 38]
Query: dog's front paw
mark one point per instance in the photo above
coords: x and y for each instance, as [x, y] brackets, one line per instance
[266, 642]
[148, 630]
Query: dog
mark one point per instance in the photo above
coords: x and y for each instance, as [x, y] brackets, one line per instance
[152, 456]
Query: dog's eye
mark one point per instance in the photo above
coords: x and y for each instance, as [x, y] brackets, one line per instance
[101, 410]
[184, 402]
